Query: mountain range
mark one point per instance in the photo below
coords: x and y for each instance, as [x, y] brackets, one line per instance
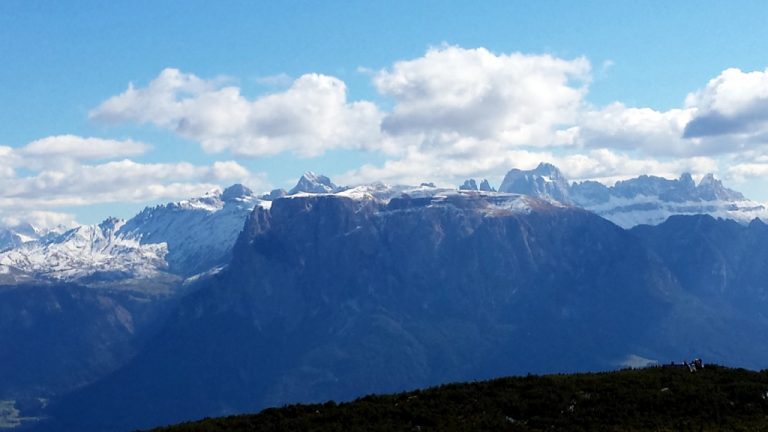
[190, 237]
[328, 292]
[645, 200]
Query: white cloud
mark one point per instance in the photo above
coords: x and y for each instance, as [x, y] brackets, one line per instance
[40, 219]
[119, 181]
[310, 117]
[458, 113]
[7, 162]
[228, 170]
[657, 133]
[157, 103]
[608, 166]
[728, 116]
[54, 175]
[80, 148]
[734, 102]
[603, 165]
[516, 99]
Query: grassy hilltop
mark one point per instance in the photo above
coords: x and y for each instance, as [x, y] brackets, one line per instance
[655, 399]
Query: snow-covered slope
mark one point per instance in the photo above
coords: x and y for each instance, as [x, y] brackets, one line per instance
[545, 182]
[10, 238]
[179, 238]
[95, 252]
[407, 198]
[15, 236]
[649, 210]
[199, 232]
[645, 200]
[313, 183]
[650, 200]
[197, 235]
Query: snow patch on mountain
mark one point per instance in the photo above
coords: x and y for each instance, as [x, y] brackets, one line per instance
[18, 234]
[545, 182]
[427, 194]
[179, 238]
[199, 232]
[647, 200]
[196, 236]
[649, 210]
[93, 251]
[313, 183]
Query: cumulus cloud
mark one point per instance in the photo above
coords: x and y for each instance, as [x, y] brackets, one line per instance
[745, 171]
[228, 171]
[658, 133]
[44, 220]
[7, 162]
[308, 118]
[68, 171]
[608, 166]
[516, 99]
[119, 181]
[728, 116]
[734, 102]
[461, 113]
[454, 113]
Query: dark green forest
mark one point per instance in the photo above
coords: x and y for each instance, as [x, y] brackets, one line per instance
[713, 398]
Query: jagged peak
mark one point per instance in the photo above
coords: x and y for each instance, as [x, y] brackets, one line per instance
[687, 180]
[235, 191]
[469, 184]
[546, 167]
[275, 194]
[310, 182]
[485, 186]
[313, 176]
[111, 224]
[709, 179]
[545, 181]
[710, 188]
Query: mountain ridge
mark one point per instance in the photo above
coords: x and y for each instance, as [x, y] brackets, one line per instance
[644, 200]
[191, 248]
[177, 239]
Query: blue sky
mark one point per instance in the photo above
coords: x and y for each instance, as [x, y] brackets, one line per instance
[63, 61]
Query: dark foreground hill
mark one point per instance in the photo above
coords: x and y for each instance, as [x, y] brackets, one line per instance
[655, 399]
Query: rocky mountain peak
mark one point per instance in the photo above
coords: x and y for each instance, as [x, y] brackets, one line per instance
[275, 194]
[708, 180]
[712, 189]
[313, 183]
[547, 169]
[236, 191]
[686, 180]
[111, 224]
[546, 181]
[469, 184]
[486, 187]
